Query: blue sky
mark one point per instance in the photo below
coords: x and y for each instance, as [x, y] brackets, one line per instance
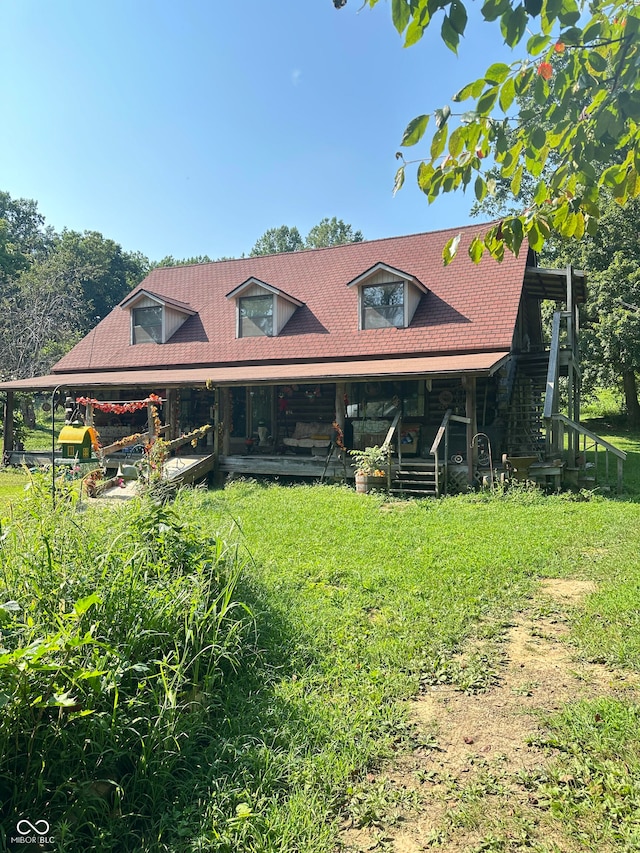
[187, 127]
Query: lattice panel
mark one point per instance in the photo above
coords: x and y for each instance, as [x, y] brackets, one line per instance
[458, 481]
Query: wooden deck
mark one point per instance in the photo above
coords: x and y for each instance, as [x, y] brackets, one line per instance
[311, 467]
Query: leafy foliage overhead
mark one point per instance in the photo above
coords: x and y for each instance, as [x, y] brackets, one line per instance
[591, 106]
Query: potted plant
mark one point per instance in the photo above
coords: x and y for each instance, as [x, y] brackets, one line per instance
[370, 465]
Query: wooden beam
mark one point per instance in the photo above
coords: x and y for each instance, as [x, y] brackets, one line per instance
[8, 423]
[472, 427]
[226, 421]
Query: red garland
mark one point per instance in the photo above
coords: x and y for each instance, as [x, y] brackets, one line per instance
[120, 408]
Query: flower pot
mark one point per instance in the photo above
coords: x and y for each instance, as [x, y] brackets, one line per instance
[367, 482]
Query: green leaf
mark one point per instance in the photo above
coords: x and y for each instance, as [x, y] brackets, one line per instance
[507, 94]
[569, 13]
[493, 9]
[487, 100]
[400, 14]
[415, 130]
[82, 605]
[497, 73]
[438, 142]
[517, 180]
[476, 250]
[541, 193]
[457, 141]
[537, 43]
[533, 7]
[458, 16]
[471, 90]
[450, 250]
[614, 176]
[442, 116]
[414, 33]
[541, 91]
[538, 138]
[399, 180]
[592, 31]
[449, 35]
[480, 188]
[513, 234]
[513, 25]
[597, 62]
[425, 173]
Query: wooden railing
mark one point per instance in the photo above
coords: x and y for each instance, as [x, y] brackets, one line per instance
[386, 445]
[443, 432]
[582, 442]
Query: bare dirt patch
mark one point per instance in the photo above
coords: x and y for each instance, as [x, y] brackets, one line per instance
[462, 788]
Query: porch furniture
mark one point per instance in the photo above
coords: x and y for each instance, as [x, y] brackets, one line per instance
[309, 436]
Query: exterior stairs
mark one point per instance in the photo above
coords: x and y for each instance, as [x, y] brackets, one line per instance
[415, 478]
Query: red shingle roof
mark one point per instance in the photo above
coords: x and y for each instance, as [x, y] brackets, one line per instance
[469, 308]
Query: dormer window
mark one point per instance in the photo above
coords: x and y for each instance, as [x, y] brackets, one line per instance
[383, 305]
[255, 316]
[147, 324]
[154, 318]
[387, 297]
[261, 309]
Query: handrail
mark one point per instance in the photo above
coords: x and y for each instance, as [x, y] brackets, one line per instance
[553, 371]
[440, 433]
[443, 430]
[391, 430]
[387, 442]
[591, 435]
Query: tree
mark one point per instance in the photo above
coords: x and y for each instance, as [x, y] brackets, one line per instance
[592, 106]
[610, 339]
[332, 232]
[170, 261]
[328, 232]
[611, 326]
[60, 296]
[38, 322]
[23, 236]
[276, 240]
[96, 269]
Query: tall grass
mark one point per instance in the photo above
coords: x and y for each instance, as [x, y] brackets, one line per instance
[118, 630]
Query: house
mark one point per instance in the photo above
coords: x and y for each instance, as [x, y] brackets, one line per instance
[274, 349]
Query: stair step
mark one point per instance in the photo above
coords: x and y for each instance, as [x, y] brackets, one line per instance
[422, 492]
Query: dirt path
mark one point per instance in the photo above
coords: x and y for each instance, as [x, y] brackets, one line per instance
[462, 788]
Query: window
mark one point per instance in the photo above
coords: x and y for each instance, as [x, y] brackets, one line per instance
[382, 305]
[147, 325]
[256, 316]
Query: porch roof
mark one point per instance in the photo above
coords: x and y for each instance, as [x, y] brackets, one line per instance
[484, 363]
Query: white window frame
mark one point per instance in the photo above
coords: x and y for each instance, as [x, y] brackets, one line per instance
[397, 284]
[133, 311]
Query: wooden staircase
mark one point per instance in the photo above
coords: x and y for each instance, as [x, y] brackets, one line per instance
[415, 478]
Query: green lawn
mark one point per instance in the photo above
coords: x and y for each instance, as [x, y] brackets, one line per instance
[356, 601]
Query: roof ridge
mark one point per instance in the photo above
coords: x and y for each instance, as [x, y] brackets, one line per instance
[311, 249]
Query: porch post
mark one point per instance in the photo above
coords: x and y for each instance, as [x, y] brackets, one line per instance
[171, 417]
[8, 423]
[150, 424]
[469, 383]
[226, 422]
[216, 423]
[341, 390]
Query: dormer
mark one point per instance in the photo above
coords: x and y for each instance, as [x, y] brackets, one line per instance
[261, 309]
[154, 318]
[386, 297]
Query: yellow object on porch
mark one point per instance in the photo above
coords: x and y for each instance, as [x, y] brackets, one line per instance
[76, 441]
